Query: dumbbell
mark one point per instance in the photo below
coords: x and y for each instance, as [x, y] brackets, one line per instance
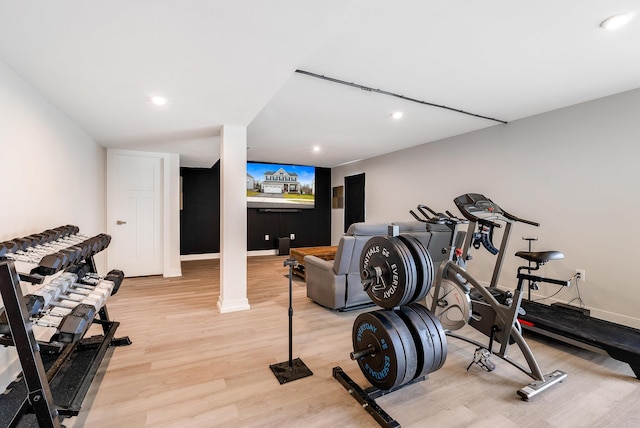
[66, 230]
[73, 326]
[55, 234]
[94, 245]
[115, 276]
[22, 243]
[38, 239]
[99, 243]
[80, 270]
[8, 247]
[32, 242]
[19, 249]
[73, 229]
[74, 252]
[52, 263]
[116, 272]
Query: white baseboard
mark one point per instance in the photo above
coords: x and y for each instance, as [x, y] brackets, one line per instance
[226, 306]
[262, 253]
[205, 256]
[172, 273]
[212, 256]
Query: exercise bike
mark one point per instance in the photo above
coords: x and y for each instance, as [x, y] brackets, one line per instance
[458, 299]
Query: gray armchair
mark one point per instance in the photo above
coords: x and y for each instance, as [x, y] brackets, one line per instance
[336, 283]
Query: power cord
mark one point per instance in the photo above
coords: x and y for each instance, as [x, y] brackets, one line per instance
[579, 298]
[548, 297]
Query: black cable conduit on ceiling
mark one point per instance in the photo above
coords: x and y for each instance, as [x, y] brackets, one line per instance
[392, 94]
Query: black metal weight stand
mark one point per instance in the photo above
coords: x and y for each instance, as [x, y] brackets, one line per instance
[38, 392]
[367, 397]
[291, 370]
[53, 384]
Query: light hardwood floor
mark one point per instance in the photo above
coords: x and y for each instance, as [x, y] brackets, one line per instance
[190, 366]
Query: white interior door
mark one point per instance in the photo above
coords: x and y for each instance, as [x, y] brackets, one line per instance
[134, 214]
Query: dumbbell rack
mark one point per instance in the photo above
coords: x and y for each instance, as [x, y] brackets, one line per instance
[54, 379]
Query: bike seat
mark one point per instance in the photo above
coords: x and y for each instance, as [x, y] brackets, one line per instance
[540, 256]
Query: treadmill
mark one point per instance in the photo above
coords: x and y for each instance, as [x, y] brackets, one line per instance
[574, 326]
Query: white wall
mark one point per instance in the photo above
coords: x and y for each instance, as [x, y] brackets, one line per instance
[574, 170]
[53, 174]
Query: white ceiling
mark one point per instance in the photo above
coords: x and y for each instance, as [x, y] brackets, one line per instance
[233, 62]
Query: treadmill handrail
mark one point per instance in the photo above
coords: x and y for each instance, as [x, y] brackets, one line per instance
[521, 220]
[497, 212]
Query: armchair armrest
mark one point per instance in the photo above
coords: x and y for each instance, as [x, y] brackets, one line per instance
[324, 286]
[317, 264]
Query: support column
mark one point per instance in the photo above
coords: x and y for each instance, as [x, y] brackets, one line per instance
[233, 219]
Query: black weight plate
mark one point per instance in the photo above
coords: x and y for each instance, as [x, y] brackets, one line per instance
[424, 266]
[428, 339]
[437, 333]
[408, 344]
[412, 271]
[396, 281]
[419, 332]
[385, 368]
[417, 261]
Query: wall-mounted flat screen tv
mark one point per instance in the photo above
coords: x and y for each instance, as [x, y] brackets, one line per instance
[280, 186]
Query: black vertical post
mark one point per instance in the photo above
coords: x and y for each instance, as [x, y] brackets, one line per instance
[291, 264]
[292, 369]
[529, 285]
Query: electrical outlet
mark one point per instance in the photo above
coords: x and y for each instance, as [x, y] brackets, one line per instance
[292, 236]
[266, 237]
[581, 274]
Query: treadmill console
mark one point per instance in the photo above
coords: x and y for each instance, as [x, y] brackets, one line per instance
[474, 206]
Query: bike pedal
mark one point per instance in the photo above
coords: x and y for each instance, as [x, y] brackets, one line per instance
[481, 357]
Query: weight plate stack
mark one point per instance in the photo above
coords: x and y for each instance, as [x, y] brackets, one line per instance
[453, 305]
[424, 266]
[393, 358]
[436, 344]
[387, 263]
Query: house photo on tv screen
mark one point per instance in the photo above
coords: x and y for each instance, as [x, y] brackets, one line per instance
[280, 186]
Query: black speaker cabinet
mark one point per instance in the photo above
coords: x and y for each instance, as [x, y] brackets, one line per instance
[283, 246]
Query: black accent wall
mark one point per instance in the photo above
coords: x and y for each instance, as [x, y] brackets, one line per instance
[200, 216]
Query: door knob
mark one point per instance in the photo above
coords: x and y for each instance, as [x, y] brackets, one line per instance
[119, 222]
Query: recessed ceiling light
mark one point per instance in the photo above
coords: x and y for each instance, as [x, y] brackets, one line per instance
[159, 100]
[617, 21]
[316, 149]
[397, 115]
